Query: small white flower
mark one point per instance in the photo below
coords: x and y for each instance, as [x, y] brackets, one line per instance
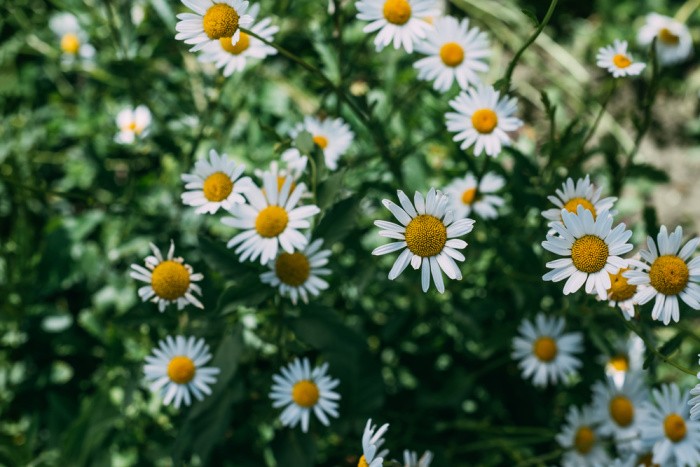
[72, 38]
[332, 136]
[627, 358]
[571, 196]
[399, 21]
[410, 459]
[372, 440]
[618, 61]
[580, 437]
[467, 194]
[133, 123]
[674, 43]
[211, 21]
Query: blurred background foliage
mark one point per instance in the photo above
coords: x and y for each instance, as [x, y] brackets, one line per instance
[76, 209]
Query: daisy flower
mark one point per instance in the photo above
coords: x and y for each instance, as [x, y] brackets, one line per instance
[572, 195]
[72, 38]
[215, 183]
[618, 61]
[619, 409]
[233, 58]
[272, 219]
[621, 293]
[627, 357]
[410, 459]
[372, 440]
[176, 369]
[427, 236]
[454, 53]
[674, 43]
[482, 119]
[546, 354]
[133, 123]
[667, 275]
[467, 193]
[332, 136]
[398, 21]
[170, 280]
[666, 427]
[300, 391]
[297, 275]
[580, 438]
[211, 21]
[590, 249]
[695, 401]
[294, 167]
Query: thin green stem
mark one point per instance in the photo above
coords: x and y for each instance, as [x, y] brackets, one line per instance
[543, 459]
[687, 10]
[599, 117]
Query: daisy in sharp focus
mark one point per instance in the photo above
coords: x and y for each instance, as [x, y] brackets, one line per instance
[667, 274]
[233, 58]
[467, 193]
[427, 237]
[215, 183]
[211, 21]
[297, 275]
[572, 195]
[270, 220]
[372, 440]
[482, 119]
[72, 38]
[177, 370]
[666, 427]
[170, 280]
[591, 250]
[410, 459]
[545, 352]
[455, 53]
[618, 61]
[133, 123]
[399, 21]
[580, 438]
[301, 390]
[332, 136]
[674, 43]
[621, 293]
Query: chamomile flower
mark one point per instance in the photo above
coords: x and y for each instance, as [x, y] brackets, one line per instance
[482, 119]
[72, 38]
[666, 427]
[232, 58]
[133, 123]
[580, 438]
[211, 21]
[297, 275]
[619, 408]
[410, 459]
[572, 195]
[591, 251]
[618, 61]
[170, 280]
[427, 236]
[545, 352]
[467, 193]
[454, 53]
[627, 358]
[215, 183]
[332, 135]
[270, 220]
[667, 274]
[301, 391]
[176, 369]
[294, 167]
[674, 43]
[398, 21]
[694, 403]
[372, 440]
[621, 293]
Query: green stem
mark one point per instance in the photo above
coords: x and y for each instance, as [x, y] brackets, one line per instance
[599, 117]
[687, 10]
[543, 459]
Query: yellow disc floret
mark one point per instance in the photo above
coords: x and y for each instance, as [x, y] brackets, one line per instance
[221, 20]
[621, 61]
[589, 253]
[70, 43]
[305, 393]
[237, 48]
[397, 11]
[217, 187]
[484, 121]
[669, 275]
[621, 410]
[181, 369]
[573, 204]
[271, 221]
[668, 38]
[426, 235]
[362, 462]
[452, 54]
[584, 440]
[292, 268]
[675, 428]
[620, 288]
[321, 141]
[619, 363]
[468, 196]
[170, 280]
[280, 184]
[545, 348]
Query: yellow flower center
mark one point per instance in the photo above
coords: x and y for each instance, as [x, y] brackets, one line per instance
[667, 37]
[589, 253]
[321, 141]
[181, 369]
[292, 268]
[362, 462]
[221, 20]
[573, 204]
[620, 288]
[545, 349]
[622, 61]
[675, 428]
[305, 393]
[397, 11]
[271, 221]
[452, 54]
[484, 121]
[237, 48]
[426, 235]
[280, 184]
[468, 196]
[621, 410]
[584, 440]
[669, 275]
[170, 280]
[217, 187]
[619, 363]
[70, 43]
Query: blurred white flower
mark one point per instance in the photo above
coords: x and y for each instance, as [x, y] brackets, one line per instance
[674, 43]
[73, 40]
[133, 123]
